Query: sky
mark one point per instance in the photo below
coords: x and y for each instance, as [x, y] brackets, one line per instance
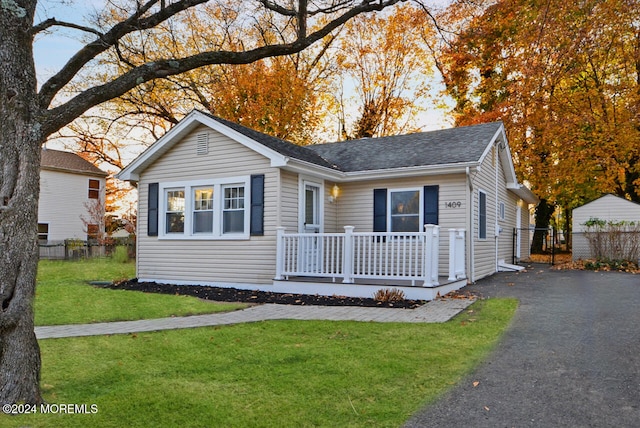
[54, 49]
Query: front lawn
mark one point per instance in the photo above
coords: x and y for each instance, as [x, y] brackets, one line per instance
[63, 295]
[265, 374]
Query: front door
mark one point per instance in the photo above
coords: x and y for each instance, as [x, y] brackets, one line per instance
[310, 251]
[311, 208]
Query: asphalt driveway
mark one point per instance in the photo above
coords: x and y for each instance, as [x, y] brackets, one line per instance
[571, 357]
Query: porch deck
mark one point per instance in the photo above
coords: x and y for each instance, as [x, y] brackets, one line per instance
[366, 288]
[359, 264]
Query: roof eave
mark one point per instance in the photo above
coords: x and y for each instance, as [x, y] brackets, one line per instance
[523, 192]
[102, 174]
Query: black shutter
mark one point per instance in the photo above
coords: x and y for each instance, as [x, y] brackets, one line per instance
[379, 210]
[430, 197]
[257, 205]
[152, 212]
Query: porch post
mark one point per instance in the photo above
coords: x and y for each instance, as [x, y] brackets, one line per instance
[430, 255]
[460, 254]
[456, 254]
[452, 254]
[347, 259]
[435, 255]
[279, 253]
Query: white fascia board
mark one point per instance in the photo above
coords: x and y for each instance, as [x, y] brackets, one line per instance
[506, 161]
[298, 166]
[413, 171]
[523, 192]
[186, 125]
[308, 168]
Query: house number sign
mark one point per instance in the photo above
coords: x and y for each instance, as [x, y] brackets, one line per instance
[453, 204]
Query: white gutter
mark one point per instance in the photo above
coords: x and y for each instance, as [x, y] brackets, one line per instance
[300, 166]
[470, 234]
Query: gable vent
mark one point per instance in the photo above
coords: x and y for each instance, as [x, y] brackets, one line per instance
[202, 144]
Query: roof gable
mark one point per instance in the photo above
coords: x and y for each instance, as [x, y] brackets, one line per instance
[68, 162]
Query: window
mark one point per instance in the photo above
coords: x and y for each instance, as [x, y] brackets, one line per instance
[233, 211]
[203, 210]
[94, 189]
[405, 210]
[43, 232]
[482, 215]
[502, 211]
[175, 211]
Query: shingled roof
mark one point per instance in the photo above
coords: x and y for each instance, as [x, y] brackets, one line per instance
[442, 147]
[281, 146]
[69, 162]
[456, 147]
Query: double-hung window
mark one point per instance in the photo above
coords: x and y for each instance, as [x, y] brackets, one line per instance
[175, 210]
[405, 210]
[233, 210]
[94, 189]
[205, 209]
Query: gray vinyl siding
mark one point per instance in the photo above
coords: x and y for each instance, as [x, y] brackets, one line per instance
[485, 249]
[356, 205]
[209, 261]
[506, 225]
[289, 201]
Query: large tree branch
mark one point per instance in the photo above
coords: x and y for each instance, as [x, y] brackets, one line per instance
[53, 22]
[67, 112]
[137, 21]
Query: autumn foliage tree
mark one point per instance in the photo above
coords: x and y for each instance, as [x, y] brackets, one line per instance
[31, 113]
[565, 79]
[386, 60]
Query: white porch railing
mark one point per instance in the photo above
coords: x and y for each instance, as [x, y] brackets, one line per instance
[375, 255]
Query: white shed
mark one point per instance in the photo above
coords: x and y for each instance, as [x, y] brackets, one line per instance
[609, 208]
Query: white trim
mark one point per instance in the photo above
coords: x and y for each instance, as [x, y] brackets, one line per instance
[420, 205]
[218, 186]
[302, 183]
[486, 215]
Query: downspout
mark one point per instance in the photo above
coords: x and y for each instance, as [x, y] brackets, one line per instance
[497, 203]
[470, 234]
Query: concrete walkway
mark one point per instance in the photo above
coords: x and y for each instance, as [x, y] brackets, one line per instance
[436, 311]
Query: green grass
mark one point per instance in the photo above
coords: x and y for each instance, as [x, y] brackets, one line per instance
[63, 295]
[265, 374]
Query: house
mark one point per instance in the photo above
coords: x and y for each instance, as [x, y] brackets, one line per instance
[224, 205]
[609, 208]
[69, 185]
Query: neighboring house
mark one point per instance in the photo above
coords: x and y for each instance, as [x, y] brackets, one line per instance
[609, 208]
[69, 185]
[223, 205]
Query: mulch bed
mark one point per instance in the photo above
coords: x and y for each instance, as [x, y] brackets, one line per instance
[250, 296]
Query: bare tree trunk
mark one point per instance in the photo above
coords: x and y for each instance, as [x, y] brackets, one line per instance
[20, 142]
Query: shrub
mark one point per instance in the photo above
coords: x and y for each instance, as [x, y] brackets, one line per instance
[389, 295]
[610, 240]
